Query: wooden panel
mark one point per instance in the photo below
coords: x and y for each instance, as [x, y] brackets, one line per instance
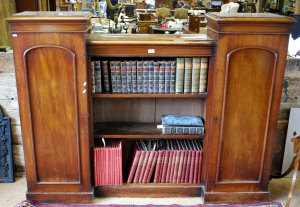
[53, 105]
[7, 8]
[248, 93]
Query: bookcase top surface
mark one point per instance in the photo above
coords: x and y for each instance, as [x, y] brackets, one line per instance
[203, 39]
[249, 17]
[50, 16]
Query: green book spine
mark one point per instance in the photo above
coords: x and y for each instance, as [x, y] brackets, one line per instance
[187, 75]
[195, 75]
[179, 75]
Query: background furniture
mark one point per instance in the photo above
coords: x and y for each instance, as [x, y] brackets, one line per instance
[66, 113]
[181, 13]
[164, 12]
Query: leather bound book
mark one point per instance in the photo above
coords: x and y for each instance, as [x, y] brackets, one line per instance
[195, 75]
[161, 78]
[148, 167]
[165, 166]
[151, 77]
[118, 76]
[179, 75]
[167, 76]
[153, 164]
[106, 76]
[129, 77]
[145, 77]
[187, 75]
[113, 76]
[173, 77]
[124, 77]
[134, 77]
[145, 162]
[139, 167]
[156, 78]
[139, 77]
[158, 166]
[134, 164]
[169, 166]
[203, 75]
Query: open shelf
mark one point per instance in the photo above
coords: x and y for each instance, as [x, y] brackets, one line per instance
[150, 190]
[99, 95]
[134, 130]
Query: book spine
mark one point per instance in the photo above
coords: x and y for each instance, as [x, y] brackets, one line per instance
[134, 77]
[134, 165]
[96, 166]
[172, 167]
[176, 166]
[120, 150]
[129, 77]
[161, 167]
[180, 166]
[139, 167]
[98, 77]
[140, 77]
[192, 169]
[195, 75]
[93, 77]
[113, 76]
[118, 76]
[169, 166]
[165, 166]
[184, 167]
[187, 75]
[203, 75]
[158, 166]
[167, 76]
[200, 167]
[153, 164]
[156, 77]
[179, 75]
[173, 77]
[148, 166]
[145, 77]
[196, 166]
[188, 167]
[144, 166]
[106, 76]
[182, 130]
[124, 77]
[151, 77]
[161, 81]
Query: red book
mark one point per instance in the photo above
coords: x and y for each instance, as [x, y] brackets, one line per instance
[145, 162]
[110, 168]
[134, 164]
[158, 166]
[200, 167]
[176, 166]
[169, 166]
[114, 164]
[180, 166]
[192, 168]
[165, 166]
[188, 166]
[161, 166]
[120, 163]
[152, 167]
[184, 166]
[148, 166]
[139, 167]
[197, 158]
[172, 166]
[106, 166]
[95, 166]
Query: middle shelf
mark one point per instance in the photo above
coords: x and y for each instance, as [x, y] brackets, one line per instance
[134, 130]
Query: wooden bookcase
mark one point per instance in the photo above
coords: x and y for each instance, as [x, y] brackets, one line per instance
[61, 118]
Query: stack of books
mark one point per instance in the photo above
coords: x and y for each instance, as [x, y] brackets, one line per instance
[108, 163]
[182, 125]
[166, 161]
[181, 75]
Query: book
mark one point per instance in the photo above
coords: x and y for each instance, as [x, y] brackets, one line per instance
[195, 75]
[134, 77]
[139, 167]
[124, 77]
[145, 162]
[134, 164]
[179, 75]
[93, 77]
[129, 77]
[187, 75]
[106, 78]
[151, 77]
[182, 130]
[182, 120]
[161, 78]
[153, 164]
[148, 166]
[156, 78]
[98, 77]
[203, 75]
[158, 166]
[113, 76]
[173, 77]
[165, 166]
[167, 76]
[145, 77]
[118, 76]
[139, 69]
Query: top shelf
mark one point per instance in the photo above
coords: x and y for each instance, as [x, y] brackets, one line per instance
[201, 95]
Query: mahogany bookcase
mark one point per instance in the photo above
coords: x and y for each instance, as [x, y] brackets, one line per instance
[61, 118]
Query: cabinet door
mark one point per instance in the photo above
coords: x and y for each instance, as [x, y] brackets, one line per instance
[51, 78]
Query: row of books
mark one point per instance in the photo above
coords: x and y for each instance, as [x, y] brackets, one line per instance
[166, 161]
[108, 163]
[182, 125]
[185, 75]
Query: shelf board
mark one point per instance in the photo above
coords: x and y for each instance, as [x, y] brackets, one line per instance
[201, 95]
[150, 190]
[134, 131]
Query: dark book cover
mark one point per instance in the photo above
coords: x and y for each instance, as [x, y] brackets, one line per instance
[134, 77]
[167, 76]
[129, 77]
[106, 76]
[156, 77]
[118, 76]
[151, 77]
[124, 77]
[173, 77]
[139, 69]
[161, 78]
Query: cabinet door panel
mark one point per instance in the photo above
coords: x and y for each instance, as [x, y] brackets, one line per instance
[245, 118]
[53, 105]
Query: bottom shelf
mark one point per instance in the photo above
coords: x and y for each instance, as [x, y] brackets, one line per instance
[150, 190]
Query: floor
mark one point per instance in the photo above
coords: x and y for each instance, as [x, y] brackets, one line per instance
[13, 193]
